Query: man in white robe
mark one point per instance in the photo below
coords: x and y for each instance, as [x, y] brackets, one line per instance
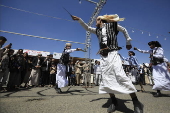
[61, 80]
[114, 79]
[160, 73]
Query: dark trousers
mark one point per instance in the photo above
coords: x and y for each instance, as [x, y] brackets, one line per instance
[45, 78]
[73, 81]
[142, 79]
[52, 79]
[23, 73]
[68, 74]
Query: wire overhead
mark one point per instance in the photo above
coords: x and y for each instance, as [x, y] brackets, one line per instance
[133, 29]
[40, 37]
[34, 13]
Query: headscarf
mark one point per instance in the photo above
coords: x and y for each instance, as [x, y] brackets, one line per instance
[111, 18]
[68, 44]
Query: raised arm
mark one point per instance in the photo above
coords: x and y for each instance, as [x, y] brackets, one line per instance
[69, 50]
[72, 50]
[126, 35]
[142, 51]
[136, 62]
[123, 58]
[84, 25]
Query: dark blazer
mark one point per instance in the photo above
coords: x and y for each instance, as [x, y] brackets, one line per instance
[34, 62]
[44, 65]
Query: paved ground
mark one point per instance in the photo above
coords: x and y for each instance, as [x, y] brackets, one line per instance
[77, 100]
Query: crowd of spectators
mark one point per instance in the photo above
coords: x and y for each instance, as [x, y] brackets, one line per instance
[20, 70]
[142, 74]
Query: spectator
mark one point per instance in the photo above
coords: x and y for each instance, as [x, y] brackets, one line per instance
[4, 73]
[86, 74]
[35, 72]
[142, 75]
[2, 41]
[53, 71]
[98, 72]
[45, 74]
[68, 72]
[27, 69]
[14, 70]
[135, 74]
[21, 62]
[78, 72]
[73, 79]
[146, 74]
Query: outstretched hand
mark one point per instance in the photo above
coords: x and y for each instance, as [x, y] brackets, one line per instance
[128, 47]
[78, 49]
[135, 48]
[75, 18]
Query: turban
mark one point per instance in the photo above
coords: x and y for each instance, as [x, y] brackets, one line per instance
[68, 44]
[111, 18]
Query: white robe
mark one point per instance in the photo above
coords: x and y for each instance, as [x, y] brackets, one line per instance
[61, 72]
[161, 77]
[160, 73]
[114, 79]
[61, 76]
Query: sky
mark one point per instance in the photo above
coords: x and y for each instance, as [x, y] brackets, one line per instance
[145, 21]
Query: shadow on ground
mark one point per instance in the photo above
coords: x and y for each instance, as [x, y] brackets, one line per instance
[121, 105]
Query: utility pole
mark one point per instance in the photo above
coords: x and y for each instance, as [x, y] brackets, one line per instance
[96, 12]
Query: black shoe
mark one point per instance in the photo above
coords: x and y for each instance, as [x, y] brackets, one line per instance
[111, 108]
[157, 95]
[58, 90]
[138, 107]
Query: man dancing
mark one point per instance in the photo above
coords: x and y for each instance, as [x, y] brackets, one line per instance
[133, 62]
[114, 79]
[161, 76]
[61, 80]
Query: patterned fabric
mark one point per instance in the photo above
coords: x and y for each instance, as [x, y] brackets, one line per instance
[111, 34]
[65, 57]
[119, 28]
[132, 61]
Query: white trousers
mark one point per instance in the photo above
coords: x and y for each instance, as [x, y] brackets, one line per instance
[98, 78]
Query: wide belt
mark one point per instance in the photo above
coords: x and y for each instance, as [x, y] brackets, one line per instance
[105, 51]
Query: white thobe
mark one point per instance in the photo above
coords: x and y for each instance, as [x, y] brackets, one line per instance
[160, 73]
[61, 72]
[114, 79]
[98, 72]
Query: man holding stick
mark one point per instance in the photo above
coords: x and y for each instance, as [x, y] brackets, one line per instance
[114, 80]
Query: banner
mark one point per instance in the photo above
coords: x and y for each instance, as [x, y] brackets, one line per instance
[56, 55]
[35, 53]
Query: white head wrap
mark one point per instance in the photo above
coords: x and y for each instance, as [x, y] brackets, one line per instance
[68, 44]
[111, 18]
